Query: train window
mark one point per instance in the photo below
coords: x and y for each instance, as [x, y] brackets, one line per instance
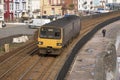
[43, 32]
[50, 29]
[51, 33]
[57, 34]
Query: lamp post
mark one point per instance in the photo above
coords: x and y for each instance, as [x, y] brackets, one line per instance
[103, 3]
[42, 7]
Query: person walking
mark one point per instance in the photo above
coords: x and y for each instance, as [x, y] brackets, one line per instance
[104, 32]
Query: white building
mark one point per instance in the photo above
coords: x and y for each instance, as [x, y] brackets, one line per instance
[110, 1]
[1, 10]
[85, 5]
[31, 7]
[118, 1]
[113, 4]
[34, 7]
[113, 1]
[19, 6]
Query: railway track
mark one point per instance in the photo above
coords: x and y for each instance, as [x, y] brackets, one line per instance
[39, 70]
[29, 65]
[13, 61]
[15, 51]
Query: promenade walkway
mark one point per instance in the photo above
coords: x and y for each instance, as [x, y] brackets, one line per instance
[84, 64]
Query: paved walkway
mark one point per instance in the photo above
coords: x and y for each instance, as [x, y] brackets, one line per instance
[14, 29]
[84, 64]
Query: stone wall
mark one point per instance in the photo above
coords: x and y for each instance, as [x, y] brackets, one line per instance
[106, 64]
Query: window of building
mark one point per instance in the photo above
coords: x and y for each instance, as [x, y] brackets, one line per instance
[11, 6]
[45, 12]
[63, 2]
[16, 0]
[5, 7]
[59, 2]
[91, 2]
[79, 6]
[23, 0]
[17, 6]
[24, 6]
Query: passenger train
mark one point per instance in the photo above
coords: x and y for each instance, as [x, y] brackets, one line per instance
[54, 36]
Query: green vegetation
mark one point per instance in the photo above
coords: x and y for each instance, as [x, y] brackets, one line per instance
[71, 6]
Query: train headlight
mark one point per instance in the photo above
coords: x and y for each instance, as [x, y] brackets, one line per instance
[59, 44]
[40, 43]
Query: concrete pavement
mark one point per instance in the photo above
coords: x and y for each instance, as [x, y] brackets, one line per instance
[14, 29]
[84, 65]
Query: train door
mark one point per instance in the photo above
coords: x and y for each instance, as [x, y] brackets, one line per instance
[73, 30]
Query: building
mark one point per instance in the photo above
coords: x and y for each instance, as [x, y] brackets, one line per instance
[19, 7]
[118, 1]
[8, 7]
[113, 4]
[14, 9]
[1, 10]
[58, 7]
[34, 8]
[75, 2]
[108, 4]
[71, 6]
[85, 5]
[112, 1]
[51, 7]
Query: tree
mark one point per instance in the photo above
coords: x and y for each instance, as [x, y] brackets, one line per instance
[71, 7]
[63, 9]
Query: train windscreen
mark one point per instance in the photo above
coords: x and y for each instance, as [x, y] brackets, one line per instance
[52, 33]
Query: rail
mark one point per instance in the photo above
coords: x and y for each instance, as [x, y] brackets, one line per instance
[12, 62]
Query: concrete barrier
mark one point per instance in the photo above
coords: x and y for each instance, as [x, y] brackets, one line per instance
[20, 39]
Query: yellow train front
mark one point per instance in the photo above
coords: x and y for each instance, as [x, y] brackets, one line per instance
[52, 37]
[49, 40]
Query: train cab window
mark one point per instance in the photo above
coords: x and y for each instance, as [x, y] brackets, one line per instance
[43, 32]
[52, 33]
[57, 34]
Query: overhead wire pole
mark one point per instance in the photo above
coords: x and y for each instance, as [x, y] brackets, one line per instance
[103, 3]
[42, 7]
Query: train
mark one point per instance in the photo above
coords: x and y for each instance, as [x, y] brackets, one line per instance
[54, 36]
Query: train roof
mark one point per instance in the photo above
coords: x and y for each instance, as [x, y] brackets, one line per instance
[62, 21]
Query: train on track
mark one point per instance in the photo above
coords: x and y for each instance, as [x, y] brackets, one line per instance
[56, 35]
